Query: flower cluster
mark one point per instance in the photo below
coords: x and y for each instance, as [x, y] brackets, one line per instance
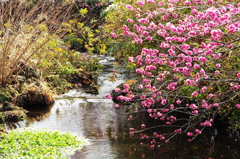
[185, 45]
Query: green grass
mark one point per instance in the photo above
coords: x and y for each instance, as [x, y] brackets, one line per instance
[28, 143]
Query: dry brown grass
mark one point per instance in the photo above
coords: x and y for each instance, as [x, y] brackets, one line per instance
[25, 29]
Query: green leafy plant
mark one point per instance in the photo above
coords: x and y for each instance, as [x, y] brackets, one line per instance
[39, 143]
[82, 36]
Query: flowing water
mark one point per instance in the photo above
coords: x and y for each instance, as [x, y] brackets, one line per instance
[107, 127]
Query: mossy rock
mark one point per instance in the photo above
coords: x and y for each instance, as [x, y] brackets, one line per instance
[14, 116]
[11, 113]
[35, 99]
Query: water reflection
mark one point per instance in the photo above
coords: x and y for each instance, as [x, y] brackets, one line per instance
[37, 116]
[107, 127]
[98, 121]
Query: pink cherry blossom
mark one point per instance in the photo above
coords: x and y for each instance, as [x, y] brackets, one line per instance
[131, 129]
[195, 111]
[141, 2]
[189, 134]
[216, 34]
[143, 125]
[188, 82]
[238, 106]
[185, 46]
[216, 105]
[145, 33]
[170, 5]
[149, 110]
[154, 89]
[143, 20]
[203, 89]
[202, 72]
[187, 2]
[129, 7]
[208, 52]
[216, 56]
[140, 70]
[194, 94]
[172, 85]
[126, 86]
[150, 1]
[125, 28]
[117, 89]
[217, 72]
[113, 35]
[238, 75]
[130, 20]
[143, 96]
[178, 131]
[202, 59]
[232, 27]
[198, 131]
[192, 33]
[193, 106]
[178, 101]
[130, 59]
[188, 64]
[149, 38]
[162, 138]
[164, 45]
[161, 3]
[164, 101]
[196, 66]
[108, 96]
[140, 86]
[148, 86]
[171, 106]
[152, 147]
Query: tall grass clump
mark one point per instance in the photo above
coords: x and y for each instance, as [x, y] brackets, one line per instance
[26, 32]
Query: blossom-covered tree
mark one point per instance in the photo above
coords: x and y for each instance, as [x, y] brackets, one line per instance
[188, 65]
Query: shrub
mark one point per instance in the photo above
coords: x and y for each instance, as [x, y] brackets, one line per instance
[183, 63]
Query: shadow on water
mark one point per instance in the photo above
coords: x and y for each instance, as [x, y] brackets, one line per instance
[96, 118]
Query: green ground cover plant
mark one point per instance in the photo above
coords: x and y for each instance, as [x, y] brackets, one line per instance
[39, 143]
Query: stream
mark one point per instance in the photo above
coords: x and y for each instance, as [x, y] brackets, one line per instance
[107, 127]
